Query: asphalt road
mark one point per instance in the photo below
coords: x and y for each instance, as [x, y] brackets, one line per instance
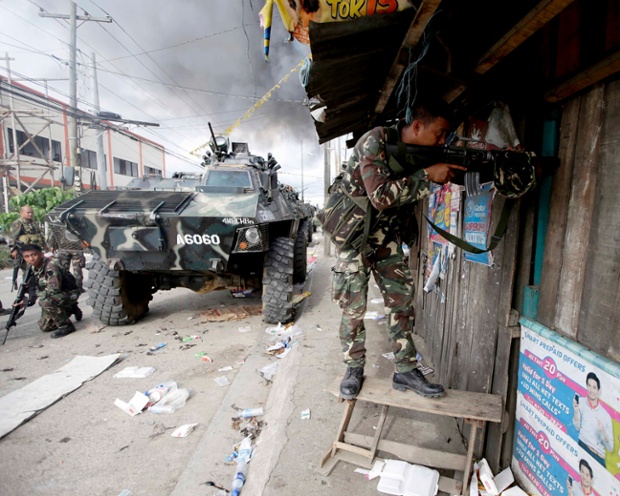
[83, 444]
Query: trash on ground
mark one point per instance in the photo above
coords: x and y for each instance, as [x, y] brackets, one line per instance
[376, 469]
[134, 372]
[222, 381]
[280, 349]
[377, 300]
[135, 405]
[251, 412]
[425, 369]
[374, 316]
[190, 318]
[239, 479]
[300, 297]
[207, 359]
[305, 414]
[184, 430]
[268, 371]
[225, 369]
[166, 397]
[244, 451]
[318, 328]
[245, 329]
[187, 339]
[231, 313]
[248, 427]
[493, 485]
[158, 346]
[402, 478]
[241, 293]
[125, 492]
[187, 346]
[276, 330]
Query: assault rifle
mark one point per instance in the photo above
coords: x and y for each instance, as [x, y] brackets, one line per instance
[18, 310]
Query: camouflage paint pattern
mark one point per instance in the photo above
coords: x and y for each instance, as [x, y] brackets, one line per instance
[55, 299]
[179, 230]
[368, 175]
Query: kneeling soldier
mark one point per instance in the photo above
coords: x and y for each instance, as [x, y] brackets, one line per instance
[57, 290]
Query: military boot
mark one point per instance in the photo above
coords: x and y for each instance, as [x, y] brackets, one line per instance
[63, 330]
[75, 310]
[416, 381]
[352, 382]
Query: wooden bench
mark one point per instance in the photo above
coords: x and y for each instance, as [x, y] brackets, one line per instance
[475, 408]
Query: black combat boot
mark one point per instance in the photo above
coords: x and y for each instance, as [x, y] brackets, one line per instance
[63, 331]
[75, 310]
[416, 381]
[352, 382]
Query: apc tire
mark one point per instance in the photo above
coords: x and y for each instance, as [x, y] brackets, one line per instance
[300, 256]
[278, 282]
[116, 297]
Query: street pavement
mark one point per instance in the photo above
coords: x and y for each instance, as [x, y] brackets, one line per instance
[83, 444]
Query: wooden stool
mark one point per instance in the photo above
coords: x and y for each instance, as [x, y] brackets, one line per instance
[475, 408]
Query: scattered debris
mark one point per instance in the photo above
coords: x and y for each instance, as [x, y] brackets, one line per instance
[374, 316]
[305, 414]
[134, 373]
[158, 346]
[300, 297]
[241, 293]
[186, 346]
[245, 329]
[268, 371]
[184, 430]
[43, 357]
[10, 369]
[222, 381]
[402, 478]
[231, 313]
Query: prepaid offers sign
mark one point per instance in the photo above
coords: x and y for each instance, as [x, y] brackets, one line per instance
[567, 432]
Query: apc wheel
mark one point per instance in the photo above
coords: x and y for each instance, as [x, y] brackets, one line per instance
[300, 256]
[306, 226]
[117, 297]
[278, 282]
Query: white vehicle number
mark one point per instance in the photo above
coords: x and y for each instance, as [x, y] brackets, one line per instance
[198, 239]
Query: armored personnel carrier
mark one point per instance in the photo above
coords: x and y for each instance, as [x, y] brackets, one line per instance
[234, 226]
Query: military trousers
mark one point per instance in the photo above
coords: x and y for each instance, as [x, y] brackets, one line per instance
[350, 290]
[75, 261]
[56, 311]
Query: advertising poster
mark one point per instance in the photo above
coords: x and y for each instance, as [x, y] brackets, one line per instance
[567, 430]
[477, 221]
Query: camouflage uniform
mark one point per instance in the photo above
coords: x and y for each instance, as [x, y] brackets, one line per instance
[69, 251]
[22, 233]
[367, 174]
[57, 293]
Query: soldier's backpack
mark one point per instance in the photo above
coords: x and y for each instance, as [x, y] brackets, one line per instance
[345, 219]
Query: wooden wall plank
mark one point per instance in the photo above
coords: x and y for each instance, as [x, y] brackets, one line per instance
[558, 209]
[580, 210]
[602, 278]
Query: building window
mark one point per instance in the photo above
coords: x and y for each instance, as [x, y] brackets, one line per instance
[150, 171]
[41, 142]
[125, 167]
[88, 159]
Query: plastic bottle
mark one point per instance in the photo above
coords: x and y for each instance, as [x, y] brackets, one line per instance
[239, 480]
[245, 450]
[251, 412]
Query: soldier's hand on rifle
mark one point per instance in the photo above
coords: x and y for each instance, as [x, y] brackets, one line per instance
[442, 173]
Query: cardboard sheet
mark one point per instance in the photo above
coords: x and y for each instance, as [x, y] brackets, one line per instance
[24, 403]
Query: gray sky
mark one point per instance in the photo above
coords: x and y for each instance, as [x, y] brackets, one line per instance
[181, 64]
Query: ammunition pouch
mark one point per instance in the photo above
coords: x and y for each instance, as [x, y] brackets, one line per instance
[345, 219]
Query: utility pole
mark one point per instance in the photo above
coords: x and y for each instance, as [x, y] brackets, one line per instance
[327, 250]
[5, 173]
[103, 182]
[302, 170]
[73, 138]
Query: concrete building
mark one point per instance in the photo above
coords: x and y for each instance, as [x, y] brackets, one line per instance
[40, 126]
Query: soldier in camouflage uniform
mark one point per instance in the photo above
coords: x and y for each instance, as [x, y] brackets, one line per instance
[69, 252]
[58, 293]
[392, 199]
[24, 231]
